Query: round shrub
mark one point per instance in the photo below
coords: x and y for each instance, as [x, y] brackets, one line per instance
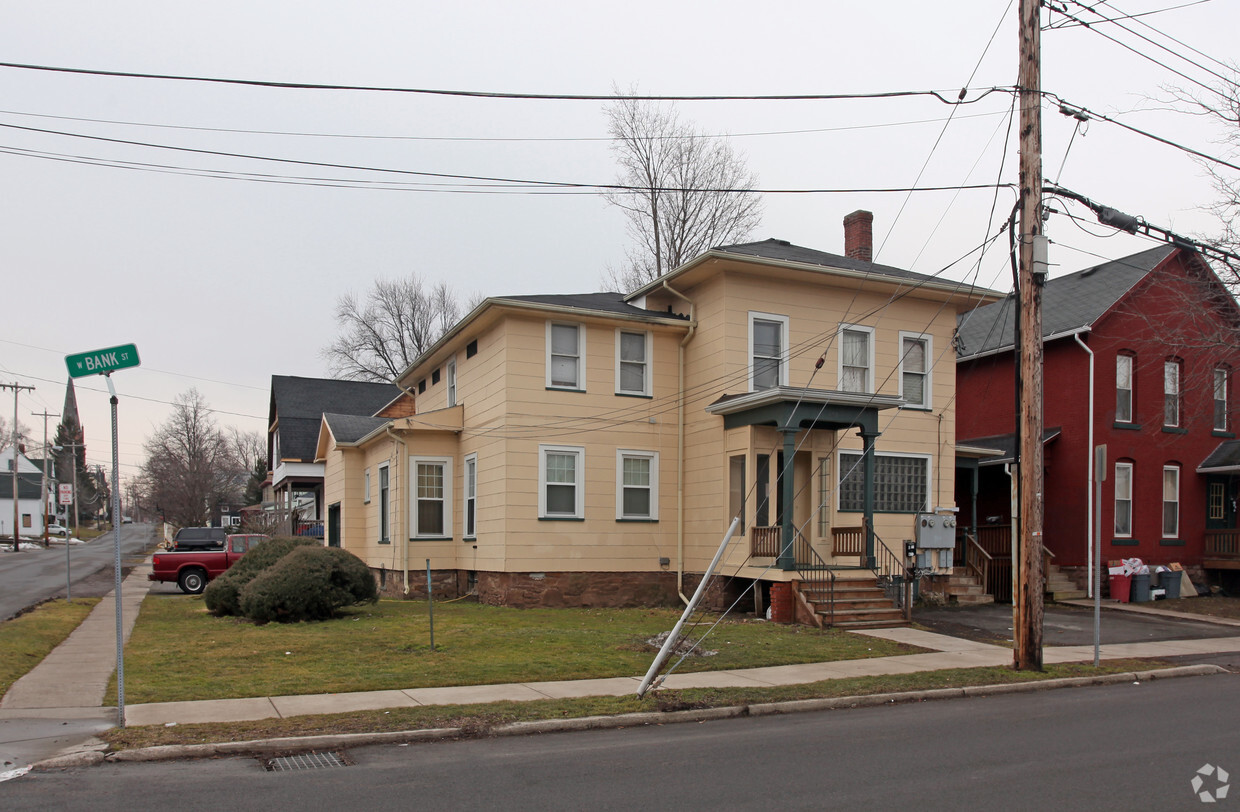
[310, 583]
[223, 595]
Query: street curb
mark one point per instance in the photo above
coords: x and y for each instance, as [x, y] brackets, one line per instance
[259, 747]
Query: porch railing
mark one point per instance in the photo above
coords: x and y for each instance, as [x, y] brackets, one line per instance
[1223, 543]
[816, 575]
[978, 562]
[893, 576]
[848, 540]
[764, 541]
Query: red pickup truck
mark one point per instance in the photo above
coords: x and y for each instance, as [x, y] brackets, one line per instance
[192, 569]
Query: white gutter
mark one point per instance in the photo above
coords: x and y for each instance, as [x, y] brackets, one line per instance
[404, 537]
[680, 446]
[1089, 480]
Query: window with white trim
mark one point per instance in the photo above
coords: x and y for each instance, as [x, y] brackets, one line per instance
[1171, 501]
[856, 358]
[637, 478]
[915, 354]
[1123, 499]
[632, 362]
[565, 356]
[385, 523]
[431, 511]
[561, 482]
[1123, 388]
[768, 351]
[451, 374]
[1220, 398]
[1171, 393]
[901, 482]
[471, 496]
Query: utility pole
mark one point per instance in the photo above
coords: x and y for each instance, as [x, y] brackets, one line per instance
[13, 470]
[1027, 600]
[44, 414]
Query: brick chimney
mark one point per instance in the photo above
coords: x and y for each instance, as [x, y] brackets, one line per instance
[859, 236]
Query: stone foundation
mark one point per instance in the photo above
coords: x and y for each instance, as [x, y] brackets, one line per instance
[447, 584]
[577, 589]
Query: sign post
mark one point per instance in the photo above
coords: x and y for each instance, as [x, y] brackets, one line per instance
[105, 362]
[1100, 476]
[64, 493]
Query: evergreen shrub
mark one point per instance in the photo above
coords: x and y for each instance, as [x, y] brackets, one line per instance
[223, 595]
[309, 583]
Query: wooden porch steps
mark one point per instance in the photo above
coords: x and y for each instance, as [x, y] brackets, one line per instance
[1060, 587]
[965, 589]
[856, 603]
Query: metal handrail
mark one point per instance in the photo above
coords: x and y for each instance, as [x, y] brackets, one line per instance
[813, 570]
[890, 565]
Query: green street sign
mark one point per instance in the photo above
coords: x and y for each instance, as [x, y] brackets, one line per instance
[102, 362]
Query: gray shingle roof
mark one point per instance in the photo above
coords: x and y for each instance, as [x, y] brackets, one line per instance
[1226, 455]
[784, 251]
[1005, 443]
[299, 403]
[349, 428]
[1069, 303]
[604, 302]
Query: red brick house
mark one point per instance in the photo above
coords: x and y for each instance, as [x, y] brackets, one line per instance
[1139, 356]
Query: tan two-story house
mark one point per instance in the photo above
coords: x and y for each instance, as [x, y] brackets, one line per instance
[589, 450]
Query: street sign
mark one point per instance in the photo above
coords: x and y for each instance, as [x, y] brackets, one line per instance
[65, 492]
[102, 362]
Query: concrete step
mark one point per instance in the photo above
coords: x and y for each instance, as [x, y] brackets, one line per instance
[1068, 594]
[974, 600]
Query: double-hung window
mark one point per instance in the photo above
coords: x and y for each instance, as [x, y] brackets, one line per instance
[565, 356]
[432, 486]
[768, 351]
[915, 370]
[637, 474]
[1171, 502]
[561, 481]
[1220, 398]
[1123, 389]
[471, 495]
[451, 373]
[856, 358]
[632, 363]
[385, 522]
[1123, 499]
[736, 491]
[1171, 393]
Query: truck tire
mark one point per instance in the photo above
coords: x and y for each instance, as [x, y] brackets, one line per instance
[193, 581]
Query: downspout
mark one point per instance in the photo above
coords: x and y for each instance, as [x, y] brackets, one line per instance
[404, 537]
[1089, 453]
[680, 445]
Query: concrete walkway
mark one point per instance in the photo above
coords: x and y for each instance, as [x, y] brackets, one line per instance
[70, 683]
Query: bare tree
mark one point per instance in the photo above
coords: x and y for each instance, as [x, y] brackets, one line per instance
[1222, 104]
[689, 191]
[381, 335]
[190, 464]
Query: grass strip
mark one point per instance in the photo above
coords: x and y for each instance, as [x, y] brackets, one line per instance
[28, 638]
[178, 651]
[478, 719]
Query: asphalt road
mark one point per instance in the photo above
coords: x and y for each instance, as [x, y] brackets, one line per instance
[1128, 746]
[30, 577]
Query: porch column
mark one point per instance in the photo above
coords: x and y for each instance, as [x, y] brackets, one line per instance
[787, 549]
[868, 436]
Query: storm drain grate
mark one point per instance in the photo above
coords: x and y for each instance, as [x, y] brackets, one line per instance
[305, 761]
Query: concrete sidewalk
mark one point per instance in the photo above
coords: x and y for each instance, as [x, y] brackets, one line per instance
[70, 683]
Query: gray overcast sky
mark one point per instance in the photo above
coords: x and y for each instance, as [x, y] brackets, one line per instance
[223, 282]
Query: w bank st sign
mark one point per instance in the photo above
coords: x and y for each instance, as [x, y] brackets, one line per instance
[102, 362]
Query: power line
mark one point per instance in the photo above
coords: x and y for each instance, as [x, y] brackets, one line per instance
[490, 94]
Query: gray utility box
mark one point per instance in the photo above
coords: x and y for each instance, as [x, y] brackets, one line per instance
[934, 536]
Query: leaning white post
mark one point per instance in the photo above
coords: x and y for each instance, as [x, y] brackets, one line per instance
[693, 602]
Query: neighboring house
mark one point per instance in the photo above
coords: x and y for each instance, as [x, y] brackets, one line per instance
[1139, 357]
[32, 500]
[593, 449]
[297, 407]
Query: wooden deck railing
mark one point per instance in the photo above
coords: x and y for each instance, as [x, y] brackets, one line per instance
[1223, 543]
[764, 541]
[848, 540]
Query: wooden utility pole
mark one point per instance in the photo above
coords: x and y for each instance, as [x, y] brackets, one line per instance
[46, 448]
[1027, 602]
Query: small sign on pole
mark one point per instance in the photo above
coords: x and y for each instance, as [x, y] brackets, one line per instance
[65, 493]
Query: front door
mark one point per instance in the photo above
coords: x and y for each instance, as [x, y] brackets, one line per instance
[1220, 503]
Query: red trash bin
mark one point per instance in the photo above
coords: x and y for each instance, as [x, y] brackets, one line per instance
[1121, 587]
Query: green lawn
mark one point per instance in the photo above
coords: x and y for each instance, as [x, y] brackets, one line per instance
[179, 652]
[27, 639]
